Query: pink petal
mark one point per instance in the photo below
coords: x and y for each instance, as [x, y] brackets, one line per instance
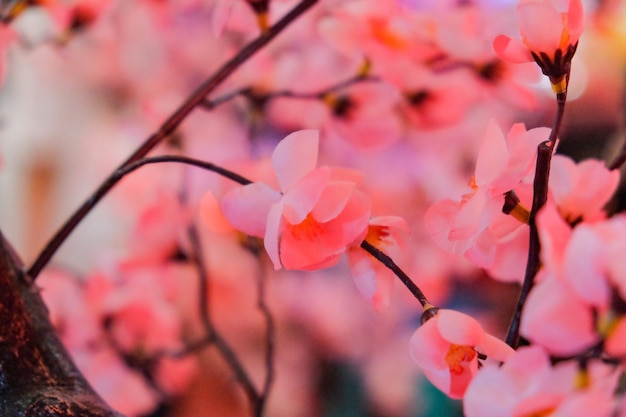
[495, 348]
[300, 200]
[362, 272]
[584, 266]
[555, 318]
[475, 214]
[522, 155]
[428, 348]
[438, 222]
[541, 26]
[512, 50]
[295, 156]
[554, 234]
[212, 216]
[575, 20]
[492, 156]
[490, 383]
[247, 207]
[332, 201]
[272, 234]
[459, 328]
[373, 284]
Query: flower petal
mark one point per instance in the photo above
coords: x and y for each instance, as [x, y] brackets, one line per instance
[492, 156]
[332, 200]
[459, 328]
[247, 207]
[512, 50]
[273, 233]
[295, 156]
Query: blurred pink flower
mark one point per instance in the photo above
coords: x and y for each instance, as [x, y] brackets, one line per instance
[556, 318]
[581, 190]
[447, 348]
[315, 218]
[528, 385]
[550, 30]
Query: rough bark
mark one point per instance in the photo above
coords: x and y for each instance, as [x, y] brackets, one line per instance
[37, 376]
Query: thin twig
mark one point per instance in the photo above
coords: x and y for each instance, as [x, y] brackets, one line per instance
[170, 125]
[389, 263]
[540, 196]
[220, 343]
[253, 95]
[270, 336]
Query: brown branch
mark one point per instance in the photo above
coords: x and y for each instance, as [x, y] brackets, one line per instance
[270, 330]
[262, 97]
[170, 125]
[540, 196]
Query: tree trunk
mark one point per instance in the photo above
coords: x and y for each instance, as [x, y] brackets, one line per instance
[37, 376]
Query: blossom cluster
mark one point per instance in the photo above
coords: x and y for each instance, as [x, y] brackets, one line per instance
[396, 142]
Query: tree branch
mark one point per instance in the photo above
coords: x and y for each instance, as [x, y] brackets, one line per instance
[540, 196]
[37, 376]
[170, 125]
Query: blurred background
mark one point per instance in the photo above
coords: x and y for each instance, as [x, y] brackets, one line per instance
[86, 82]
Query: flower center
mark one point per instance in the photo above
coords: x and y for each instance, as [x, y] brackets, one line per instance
[377, 235]
[458, 356]
[307, 229]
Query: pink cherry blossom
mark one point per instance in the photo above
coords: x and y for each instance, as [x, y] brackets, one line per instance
[474, 225]
[550, 30]
[317, 215]
[556, 318]
[527, 384]
[447, 348]
[581, 190]
[546, 27]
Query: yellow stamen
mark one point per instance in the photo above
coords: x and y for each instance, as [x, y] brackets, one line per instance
[520, 213]
[307, 229]
[263, 21]
[376, 235]
[581, 380]
[559, 86]
[457, 355]
[607, 324]
[365, 68]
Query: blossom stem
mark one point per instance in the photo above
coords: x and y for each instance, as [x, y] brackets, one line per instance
[386, 260]
[168, 127]
[540, 196]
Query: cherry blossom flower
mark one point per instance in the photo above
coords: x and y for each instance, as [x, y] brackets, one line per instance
[474, 225]
[550, 30]
[556, 318]
[581, 190]
[448, 347]
[317, 215]
[528, 385]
